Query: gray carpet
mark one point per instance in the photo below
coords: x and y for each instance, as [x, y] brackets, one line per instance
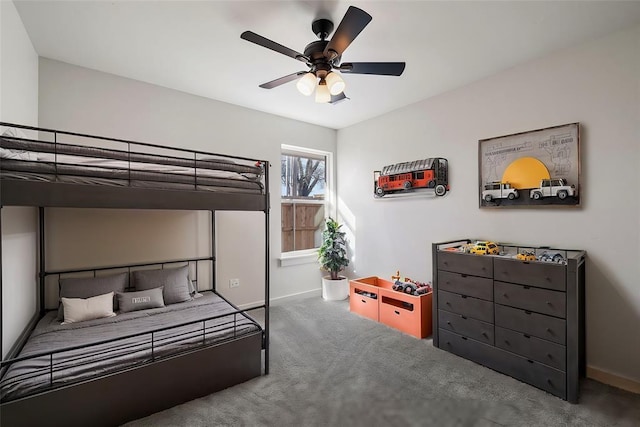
[330, 367]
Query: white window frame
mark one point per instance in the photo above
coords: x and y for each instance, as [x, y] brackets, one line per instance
[310, 255]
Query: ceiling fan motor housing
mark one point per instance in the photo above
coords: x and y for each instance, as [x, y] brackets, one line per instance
[320, 65]
[322, 28]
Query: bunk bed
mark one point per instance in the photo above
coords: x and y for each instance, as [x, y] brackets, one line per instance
[94, 372]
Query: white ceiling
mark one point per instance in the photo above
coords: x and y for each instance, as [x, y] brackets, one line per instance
[195, 46]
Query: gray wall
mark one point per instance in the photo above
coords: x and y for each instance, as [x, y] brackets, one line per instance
[83, 100]
[18, 104]
[596, 84]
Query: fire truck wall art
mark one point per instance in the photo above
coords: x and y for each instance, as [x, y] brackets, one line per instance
[429, 175]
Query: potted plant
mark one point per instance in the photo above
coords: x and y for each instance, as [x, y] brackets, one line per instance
[333, 258]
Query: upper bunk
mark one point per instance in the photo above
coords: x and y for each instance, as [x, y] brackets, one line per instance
[51, 168]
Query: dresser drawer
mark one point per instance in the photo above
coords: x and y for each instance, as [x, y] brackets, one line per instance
[473, 286]
[542, 376]
[472, 328]
[467, 306]
[475, 265]
[539, 300]
[539, 274]
[552, 354]
[467, 348]
[534, 373]
[538, 325]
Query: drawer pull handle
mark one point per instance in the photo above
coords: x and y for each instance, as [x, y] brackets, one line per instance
[549, 303]
[463, 296]
[526, 287]
[507, 342]
[527, 312]
[464, 338]
[448, 323]
[505, 295]
[527, 336]
[463, 275]
[549, 381]
[396, 312]
[549, 356]
[549, 330]
[530, 361]
[484, 334]
[464, 317]
[447, 303]
[548, 279]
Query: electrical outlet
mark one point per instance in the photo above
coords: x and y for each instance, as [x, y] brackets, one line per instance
[234, 283]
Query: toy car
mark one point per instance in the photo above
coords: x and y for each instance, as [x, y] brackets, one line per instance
[526, 256]
[499, 190]
[553, 187]
[485, 248]
[552, 257]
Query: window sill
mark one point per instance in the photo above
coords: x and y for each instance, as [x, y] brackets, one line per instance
[287, 260]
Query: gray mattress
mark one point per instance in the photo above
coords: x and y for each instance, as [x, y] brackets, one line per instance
[44, 161]
[75, 364]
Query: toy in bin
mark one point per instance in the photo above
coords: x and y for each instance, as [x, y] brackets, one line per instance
[409, 286]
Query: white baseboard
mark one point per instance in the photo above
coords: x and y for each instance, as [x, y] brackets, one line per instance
[286, 299]
[613, 380]
[295, 297]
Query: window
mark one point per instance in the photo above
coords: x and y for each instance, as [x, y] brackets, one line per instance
[304, 178]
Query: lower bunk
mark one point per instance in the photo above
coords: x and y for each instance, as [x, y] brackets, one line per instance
[111, 370]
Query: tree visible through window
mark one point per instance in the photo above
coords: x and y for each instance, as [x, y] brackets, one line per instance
[302, 176]
[303, 183]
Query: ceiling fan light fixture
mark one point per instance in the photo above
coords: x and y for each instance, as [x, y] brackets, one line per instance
[307, 84]
[335, 83]
[322, 92]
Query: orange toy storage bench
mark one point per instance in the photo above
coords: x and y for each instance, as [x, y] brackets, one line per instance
[374, 298]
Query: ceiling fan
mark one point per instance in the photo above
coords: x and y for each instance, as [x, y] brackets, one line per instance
[323, 58]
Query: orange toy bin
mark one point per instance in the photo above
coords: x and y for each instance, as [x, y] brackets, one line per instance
[364, 295]
[408, 313]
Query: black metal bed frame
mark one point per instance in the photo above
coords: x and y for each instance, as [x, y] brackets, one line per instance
[114, 398]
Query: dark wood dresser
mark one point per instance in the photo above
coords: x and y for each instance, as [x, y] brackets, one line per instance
[521, 318]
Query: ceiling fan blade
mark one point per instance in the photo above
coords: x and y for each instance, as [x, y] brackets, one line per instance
[337, 98]
[351, 25]
[270, 44]
[379, 68]
[282, 80]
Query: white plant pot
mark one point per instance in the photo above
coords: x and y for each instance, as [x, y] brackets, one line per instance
[334, 290]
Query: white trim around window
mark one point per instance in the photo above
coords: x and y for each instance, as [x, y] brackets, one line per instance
[311, 255]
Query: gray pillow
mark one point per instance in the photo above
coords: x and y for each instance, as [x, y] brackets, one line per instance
[140, 300]
[174, 280]
[87, 287]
